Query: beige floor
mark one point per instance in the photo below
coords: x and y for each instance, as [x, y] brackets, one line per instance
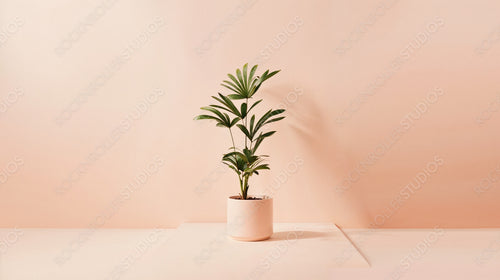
[202, 251]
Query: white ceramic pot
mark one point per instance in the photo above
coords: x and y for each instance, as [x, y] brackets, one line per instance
[250, 220]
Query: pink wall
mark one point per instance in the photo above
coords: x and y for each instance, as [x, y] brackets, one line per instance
[97, 129]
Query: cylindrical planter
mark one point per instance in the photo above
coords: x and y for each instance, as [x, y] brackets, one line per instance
[250, 219]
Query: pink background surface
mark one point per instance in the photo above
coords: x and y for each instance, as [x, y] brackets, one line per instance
[354, 77]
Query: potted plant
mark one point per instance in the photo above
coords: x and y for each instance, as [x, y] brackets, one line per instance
[249, 217]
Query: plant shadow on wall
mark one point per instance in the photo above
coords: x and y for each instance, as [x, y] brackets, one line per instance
[308, 123]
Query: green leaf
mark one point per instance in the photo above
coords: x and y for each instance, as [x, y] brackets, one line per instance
[230, 105]
[271, 74]
[260, 138]
[252, 72]
[242, 81]
[245, 131]
[274, 120]
[233, 168]
[237, 158]
[245, 77]
[247, 153]
[231, 160]
[258, 141]
[220, 107]
[252, 120]
[266, 116]
[215, 111]
[251, 158]
[233, 154]
[243, 111]
[233, 122]
[237, 84]
[262, 119]
[207, 117]
[228, 119]
[267, 134]
[236, 96]
[257, 82]
[262, 78]
[262, 166]
[253, 105]
[231, 87]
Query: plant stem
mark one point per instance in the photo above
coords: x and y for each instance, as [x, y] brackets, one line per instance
[245, 186]
[246, 122]
[241, 187]
[234, 149]
[232, 140]
[245, 177]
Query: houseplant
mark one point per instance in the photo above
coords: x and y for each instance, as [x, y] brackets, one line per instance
[249, 218]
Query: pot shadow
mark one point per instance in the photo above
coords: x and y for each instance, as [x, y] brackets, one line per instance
[297, 234]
